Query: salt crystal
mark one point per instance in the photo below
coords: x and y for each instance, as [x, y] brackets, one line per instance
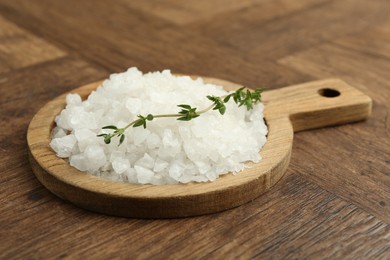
[117, 154]
[169, 139]
[202, 166]
[131, 175]
[120, 165]
[160, 165]
[186, 178]
[140, 135]
[134, 105]
[175, 171]
[73, 100]
[146, 161]
[78, 161]
[157, 180]
[153, 141]
[184, 132]
[78, 118]
[95, 156]
[63, 146]
[58, 132]
[143, 175]
[167, 151]
[62, 120]
[212, 176]
[84, 138]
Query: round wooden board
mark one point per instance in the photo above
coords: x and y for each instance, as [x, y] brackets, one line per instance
[295, 108]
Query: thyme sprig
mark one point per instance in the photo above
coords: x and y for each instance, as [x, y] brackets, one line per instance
[241, 97]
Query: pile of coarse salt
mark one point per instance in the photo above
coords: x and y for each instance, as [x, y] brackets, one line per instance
[168, 151]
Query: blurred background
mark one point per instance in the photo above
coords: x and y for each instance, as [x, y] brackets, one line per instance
[275, 43]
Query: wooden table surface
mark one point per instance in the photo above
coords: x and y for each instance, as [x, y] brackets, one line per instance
[334, 201]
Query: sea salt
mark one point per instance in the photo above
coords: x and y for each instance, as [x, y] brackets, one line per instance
[167, 151]
[65, 143]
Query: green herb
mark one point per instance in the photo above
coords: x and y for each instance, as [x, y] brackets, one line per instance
[187, 113]
[241, 97]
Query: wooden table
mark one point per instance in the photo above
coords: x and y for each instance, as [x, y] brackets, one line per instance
[334, 201]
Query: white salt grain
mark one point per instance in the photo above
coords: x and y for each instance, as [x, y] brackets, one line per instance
[84, 138]
[58, 132]
[120, 165]
[131, 175]
[73, 100]
[175, 171]
[64, 145]
[160, 165]
[146, 162]
[167, 151]
[95, 157]
[143, 175]
[78, 161]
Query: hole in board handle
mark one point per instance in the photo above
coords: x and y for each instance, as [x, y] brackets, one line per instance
[329, 92]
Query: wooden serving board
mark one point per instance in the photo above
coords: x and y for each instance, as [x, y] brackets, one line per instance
[287, 110]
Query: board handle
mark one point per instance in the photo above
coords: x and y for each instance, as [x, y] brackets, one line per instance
[317, 104]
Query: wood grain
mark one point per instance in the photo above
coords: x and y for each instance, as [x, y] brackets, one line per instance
[366, 176]
[333, 201]
[20, 48]
[181, 13]
[140, 49]
[293, 108]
